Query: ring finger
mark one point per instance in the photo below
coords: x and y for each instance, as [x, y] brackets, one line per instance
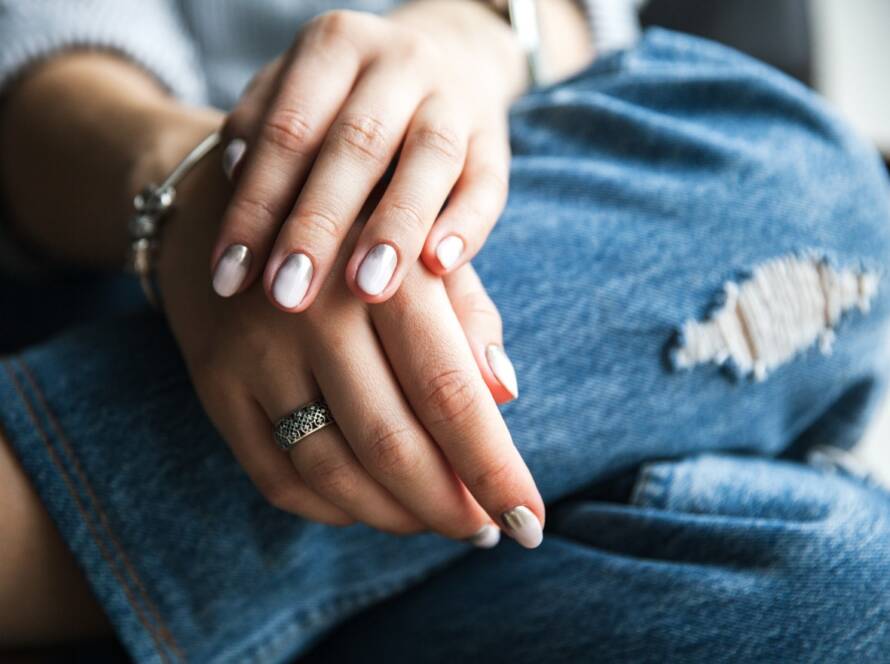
[325, 462]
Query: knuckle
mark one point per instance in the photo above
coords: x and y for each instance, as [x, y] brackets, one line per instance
[407, 214]
[317, 221]
[335, 24]
[255, 211]
[492, 478]
[414, 47]
[282, 495]
[494, 180]
[332, 478]
[392, 451]
[362, 135]
[288, 130]
[441, 140]
[450, 397]
[480, 306]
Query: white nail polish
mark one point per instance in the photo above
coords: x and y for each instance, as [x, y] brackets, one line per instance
[487, 537]
[523, 526]
[231, 270]
[449, 250]
[292, 280]
[232, 155]
[376, 270]
[502, 368]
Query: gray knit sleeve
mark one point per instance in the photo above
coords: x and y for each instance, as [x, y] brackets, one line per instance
[149, 33]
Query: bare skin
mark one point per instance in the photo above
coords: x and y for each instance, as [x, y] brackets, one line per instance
[92, 128]
[44, 597]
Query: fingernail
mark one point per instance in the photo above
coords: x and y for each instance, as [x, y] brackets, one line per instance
[232, 155]
[449, 250]
[487, 537]
[292, 280]
[376, 270]
[523, 526]
[231, 270]
[502, 368]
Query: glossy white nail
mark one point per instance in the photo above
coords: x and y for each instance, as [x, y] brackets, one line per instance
[231, 270]
[523, 526]
[232, 155]
[502, 368]
[376, 270]
[292, 280]
[448, 251]
[487, 537]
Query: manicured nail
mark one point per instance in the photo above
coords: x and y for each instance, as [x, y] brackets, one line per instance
[376, 270]
[502, 368]
[487, 537]
[523, 526]
[232, 155]
[449, 250]
[231, 270]
[292, 280]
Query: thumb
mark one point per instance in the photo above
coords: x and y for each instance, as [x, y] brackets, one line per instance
[481, 323]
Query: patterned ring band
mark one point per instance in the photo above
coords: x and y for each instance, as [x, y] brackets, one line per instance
[306, 420]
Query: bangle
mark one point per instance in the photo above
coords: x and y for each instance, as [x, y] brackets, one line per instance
[523, 18]
[151, 206]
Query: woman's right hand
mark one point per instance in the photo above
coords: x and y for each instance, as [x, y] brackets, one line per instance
[419, 443]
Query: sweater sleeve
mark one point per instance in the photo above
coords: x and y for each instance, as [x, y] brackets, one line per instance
[149, 33]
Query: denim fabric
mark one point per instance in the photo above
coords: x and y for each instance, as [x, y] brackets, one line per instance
[638, 188]
[716, 559]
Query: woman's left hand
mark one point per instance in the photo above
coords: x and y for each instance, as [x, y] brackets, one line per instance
[426, 89]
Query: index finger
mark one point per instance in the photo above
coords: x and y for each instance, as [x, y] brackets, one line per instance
[310, 91]
[439, 376]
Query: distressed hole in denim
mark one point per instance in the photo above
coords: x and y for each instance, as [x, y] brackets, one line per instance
[785, 306]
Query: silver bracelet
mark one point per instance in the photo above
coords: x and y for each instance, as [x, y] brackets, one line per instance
[151, 207]
[522, 15]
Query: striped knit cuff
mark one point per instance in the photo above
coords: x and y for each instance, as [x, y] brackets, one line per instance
[150, 34]
[614, 24]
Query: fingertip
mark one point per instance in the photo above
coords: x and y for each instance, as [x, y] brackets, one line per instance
[232, 157]
[375, 273]
[288, 287]
[449, 251]
[231, 270]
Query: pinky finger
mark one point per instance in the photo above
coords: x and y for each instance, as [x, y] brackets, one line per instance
[474, 206]
[249, 433]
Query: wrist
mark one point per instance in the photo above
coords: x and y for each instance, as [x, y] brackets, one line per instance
[167, 134]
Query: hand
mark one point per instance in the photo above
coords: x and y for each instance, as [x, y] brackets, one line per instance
[324, 122]
[418, 442]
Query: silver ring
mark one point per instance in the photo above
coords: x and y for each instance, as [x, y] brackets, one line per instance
[304, 421]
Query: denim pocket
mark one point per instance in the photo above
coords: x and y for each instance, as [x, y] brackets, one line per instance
[732, 486]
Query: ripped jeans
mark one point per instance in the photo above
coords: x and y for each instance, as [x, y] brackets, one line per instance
[690, 271]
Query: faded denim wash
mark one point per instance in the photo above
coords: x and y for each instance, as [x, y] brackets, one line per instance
[674, 533]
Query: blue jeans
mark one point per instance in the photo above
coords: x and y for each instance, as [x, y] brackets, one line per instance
[682, 524]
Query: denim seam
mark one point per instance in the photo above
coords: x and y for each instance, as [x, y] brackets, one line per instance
[68, 450]
[92, 527]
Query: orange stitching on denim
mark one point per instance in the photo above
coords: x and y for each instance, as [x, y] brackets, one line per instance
[53, 455]
[97, 506]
